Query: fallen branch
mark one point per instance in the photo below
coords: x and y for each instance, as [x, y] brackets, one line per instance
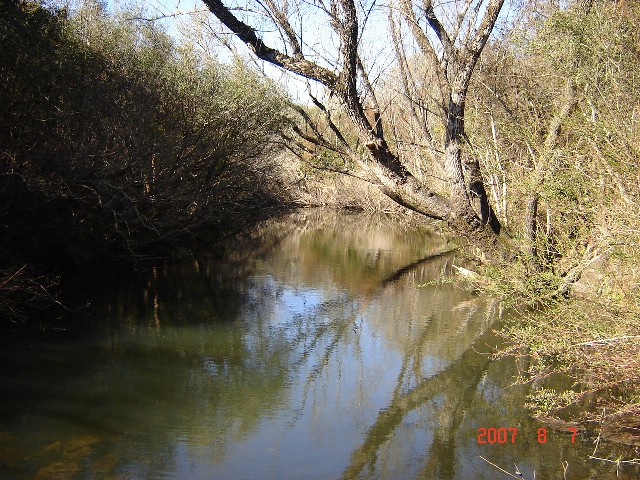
[606, 341]
[518, 473]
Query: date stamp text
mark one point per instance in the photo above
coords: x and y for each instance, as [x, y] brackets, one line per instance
[500, 436]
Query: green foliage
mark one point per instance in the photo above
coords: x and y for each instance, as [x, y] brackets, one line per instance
[517, 285]
[578, 157]
[114, 141]
[548, 401]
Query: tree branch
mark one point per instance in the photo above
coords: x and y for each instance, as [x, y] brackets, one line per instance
[441, 33]
[247, 35]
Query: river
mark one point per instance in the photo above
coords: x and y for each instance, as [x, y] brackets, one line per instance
[321, 346]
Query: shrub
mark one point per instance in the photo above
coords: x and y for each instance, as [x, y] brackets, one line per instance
[116, 142]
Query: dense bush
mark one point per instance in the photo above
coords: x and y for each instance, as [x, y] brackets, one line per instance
[115, 142]
[557, 116]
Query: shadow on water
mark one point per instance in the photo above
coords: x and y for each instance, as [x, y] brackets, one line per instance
[306, 351]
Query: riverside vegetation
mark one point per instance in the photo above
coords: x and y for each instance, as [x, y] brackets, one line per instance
[524, 142]
[117, 143]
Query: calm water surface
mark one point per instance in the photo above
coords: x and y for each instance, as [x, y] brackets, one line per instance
[308, 352]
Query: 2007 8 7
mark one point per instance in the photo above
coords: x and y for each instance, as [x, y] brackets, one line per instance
[502, 435]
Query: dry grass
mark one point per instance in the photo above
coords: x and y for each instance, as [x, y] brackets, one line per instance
[319, 188]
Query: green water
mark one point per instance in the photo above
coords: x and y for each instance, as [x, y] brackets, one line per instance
[308, 351]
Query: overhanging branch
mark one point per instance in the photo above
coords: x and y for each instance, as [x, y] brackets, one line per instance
[298, 65]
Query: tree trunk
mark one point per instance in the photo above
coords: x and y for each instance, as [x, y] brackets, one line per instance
[467, 190]
[390, 175]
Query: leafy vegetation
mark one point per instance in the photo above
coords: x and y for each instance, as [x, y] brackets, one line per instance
[116, 142]
[556, 113]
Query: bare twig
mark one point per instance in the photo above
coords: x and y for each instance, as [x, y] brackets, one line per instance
[502, 469]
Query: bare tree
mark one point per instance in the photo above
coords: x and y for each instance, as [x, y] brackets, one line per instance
[452, 46]
[451, 53]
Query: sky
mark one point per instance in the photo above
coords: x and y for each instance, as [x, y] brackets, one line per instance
[318, 42]
[178, 13]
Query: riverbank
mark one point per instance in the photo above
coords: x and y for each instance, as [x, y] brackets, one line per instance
[119, 144]
[579, 344]
[594, 346]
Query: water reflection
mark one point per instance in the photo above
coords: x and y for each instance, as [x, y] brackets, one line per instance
[307, 351]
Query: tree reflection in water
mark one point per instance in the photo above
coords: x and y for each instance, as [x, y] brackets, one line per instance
[306, 351]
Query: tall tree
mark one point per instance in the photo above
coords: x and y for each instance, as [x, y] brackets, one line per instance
[452, 47]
